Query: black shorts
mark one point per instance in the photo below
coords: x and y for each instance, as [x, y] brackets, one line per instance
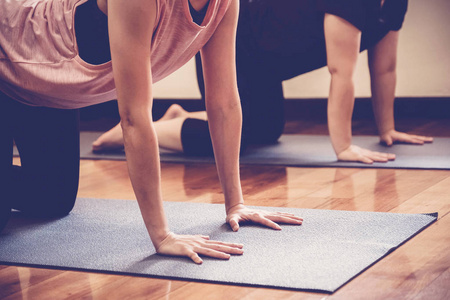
[287, 27]
[195, 138]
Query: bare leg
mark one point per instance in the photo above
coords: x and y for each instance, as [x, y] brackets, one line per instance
[168, 130]
[382, 65]
[342, 44]
[174, 111]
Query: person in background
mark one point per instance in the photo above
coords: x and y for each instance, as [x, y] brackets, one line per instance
[278, 40]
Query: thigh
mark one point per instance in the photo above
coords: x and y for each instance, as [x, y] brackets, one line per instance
[6, 137]
[6, 146]
[48, 144]
[288, 35]
[262, 102]
[342, 44]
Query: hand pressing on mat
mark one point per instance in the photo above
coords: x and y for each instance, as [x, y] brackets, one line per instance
[355, 153]
[240, 214]
[394, 136]
[194, 245]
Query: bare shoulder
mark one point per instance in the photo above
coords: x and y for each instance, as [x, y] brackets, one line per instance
[146, 5]
[103, 6]
[135, 18]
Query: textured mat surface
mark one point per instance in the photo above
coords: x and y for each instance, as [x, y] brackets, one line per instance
[308, 150]
[328, 250]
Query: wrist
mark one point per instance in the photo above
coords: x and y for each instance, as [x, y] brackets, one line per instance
[341, 141]
[338, 149]
[158, 235]
[230, 207]
[384, 131]
[158, 245]
[233, 197]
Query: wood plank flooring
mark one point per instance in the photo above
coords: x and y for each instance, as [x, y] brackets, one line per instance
[420, 269]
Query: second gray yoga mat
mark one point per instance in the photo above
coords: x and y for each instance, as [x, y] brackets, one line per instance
[308, 150]
[327, 251]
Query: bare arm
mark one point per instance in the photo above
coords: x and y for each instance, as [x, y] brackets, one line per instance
[131, 24]
[382, 65]
[130, 28]
[223, 105]
[225, 121]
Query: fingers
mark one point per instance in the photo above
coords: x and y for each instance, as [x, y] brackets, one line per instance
[365, 159]
[258, 218]
[194, 246]
[401, 137]
[212, 253]
[427, 139]
[381, 157]
[387, 140]
[195, 258]
[417, 139]
[234, 245]
[411, 139]
[225, 248]
[355, 153]
[234, 223]
[285, 218]
[369, 157]
[215, 249]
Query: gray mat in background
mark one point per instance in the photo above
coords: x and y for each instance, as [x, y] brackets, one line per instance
[308, 150]
[328, 250]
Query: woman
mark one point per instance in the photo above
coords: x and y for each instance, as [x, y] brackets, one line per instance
[45, 75]
[278, 40]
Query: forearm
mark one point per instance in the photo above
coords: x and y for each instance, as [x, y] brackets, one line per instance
[340, 108]
[141, 149]
[225, 121]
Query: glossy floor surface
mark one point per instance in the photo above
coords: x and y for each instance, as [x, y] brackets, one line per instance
[420, 269]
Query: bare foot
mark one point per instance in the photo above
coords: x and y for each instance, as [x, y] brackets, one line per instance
[111, 140]
[174, 111]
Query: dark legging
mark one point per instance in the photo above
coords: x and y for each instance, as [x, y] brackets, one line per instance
[46, 183]
[278, 40]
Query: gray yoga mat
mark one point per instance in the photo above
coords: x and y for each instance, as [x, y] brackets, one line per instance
[307, 150]
[328, 250]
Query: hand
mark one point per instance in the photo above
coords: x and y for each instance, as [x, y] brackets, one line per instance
[355, 153]
[239, 213]
[194, 245]
[393, 136]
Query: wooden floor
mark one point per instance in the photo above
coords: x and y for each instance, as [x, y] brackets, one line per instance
[420, 269]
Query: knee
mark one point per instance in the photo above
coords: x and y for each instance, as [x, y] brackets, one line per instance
[60, 199]
[387, 67]
[5, 213]
[262, 131]
[341, 71]
[62, 205]
[48, 201]
[53, 205]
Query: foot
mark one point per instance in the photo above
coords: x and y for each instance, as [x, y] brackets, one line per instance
[111, 140]
[174, 111]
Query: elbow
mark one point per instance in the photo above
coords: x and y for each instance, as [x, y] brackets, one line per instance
[225, 111]
[135, 118]
[225, 102]
[127, 121]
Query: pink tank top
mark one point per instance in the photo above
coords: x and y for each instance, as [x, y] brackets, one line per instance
[39, 61]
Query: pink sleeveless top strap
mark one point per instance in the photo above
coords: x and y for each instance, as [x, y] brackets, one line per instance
[39, 61]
